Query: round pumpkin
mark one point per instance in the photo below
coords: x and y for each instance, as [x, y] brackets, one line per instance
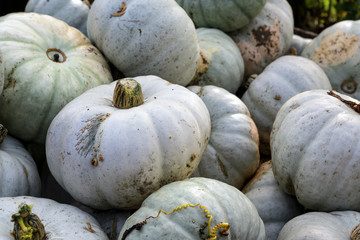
[195, 208]
[322, 226]
[275, 207]
[145, 37]
[314, 150]
[47, 63]
[283, 78]
[53, 220]
[232, 154]
[224, 15]
[73, 12]
[18, 172]
[267, 36]
[224, 66]
[337, 50]
[111, 148]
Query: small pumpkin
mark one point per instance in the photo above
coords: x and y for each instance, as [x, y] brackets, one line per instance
[73, 12]
[226, 16]
[195, 208]
[283, 78]
[115, 144]
[314, 150]
[47, 63]
[267, 36]
[298, 44]
[48, 219]
[337, 51]
[232, 154]
[223, 64]
[18, 172]
[146, 37]
[275, 207]
[322, 226]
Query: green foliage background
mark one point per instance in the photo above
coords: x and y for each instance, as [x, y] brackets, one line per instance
[315, 15]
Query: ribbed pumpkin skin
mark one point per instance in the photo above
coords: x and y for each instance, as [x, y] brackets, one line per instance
[223, 202]
[224, 15]
[267, 37]
[337, 51]
[225, 64]
[282, 79]
[232, 154]
[149, 38]
[61, 221]
[275, 207]
[36, 88]
[315, 151]
[320, 226]
[138, 150]
[299, 43]
[73, 12]
[19, 175]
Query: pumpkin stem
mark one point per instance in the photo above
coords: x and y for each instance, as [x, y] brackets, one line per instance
[27, 226]
[355, 106]
[355, 233]
[3, 133]
[127, 94]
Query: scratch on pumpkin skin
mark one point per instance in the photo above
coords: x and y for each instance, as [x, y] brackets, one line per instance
[121, 11]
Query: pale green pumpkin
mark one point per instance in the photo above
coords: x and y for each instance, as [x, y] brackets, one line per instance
[334, 225]
[232, 154]
[18, 172]
[73, 12]
[337, 51]
[280, 80]
[47, 63]
[267, 36]
[275, 207]
[195, 208]
[224, 15]
[315, 151]
[55, 220]
[116, 143]
[224, 66]
[146, 37]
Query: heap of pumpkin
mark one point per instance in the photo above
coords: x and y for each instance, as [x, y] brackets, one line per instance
[166, 119]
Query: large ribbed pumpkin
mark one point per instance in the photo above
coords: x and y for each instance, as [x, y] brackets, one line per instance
[315, 150]
[117, 143]
[47, 63]
[195, 208]
[146, 37]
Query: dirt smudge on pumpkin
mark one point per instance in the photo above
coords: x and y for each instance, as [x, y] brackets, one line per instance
[336, 48]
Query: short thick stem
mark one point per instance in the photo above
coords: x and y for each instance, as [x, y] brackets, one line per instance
[127, 94]
[27, 226]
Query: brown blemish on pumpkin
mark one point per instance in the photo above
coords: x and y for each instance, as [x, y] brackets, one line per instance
[263, 47]
[277, 97]
[101, 159]
[349, 85]
[193, 157]
[121, 11]
[94, 162]
[336, 48]
[89, 228]
[355, 233]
